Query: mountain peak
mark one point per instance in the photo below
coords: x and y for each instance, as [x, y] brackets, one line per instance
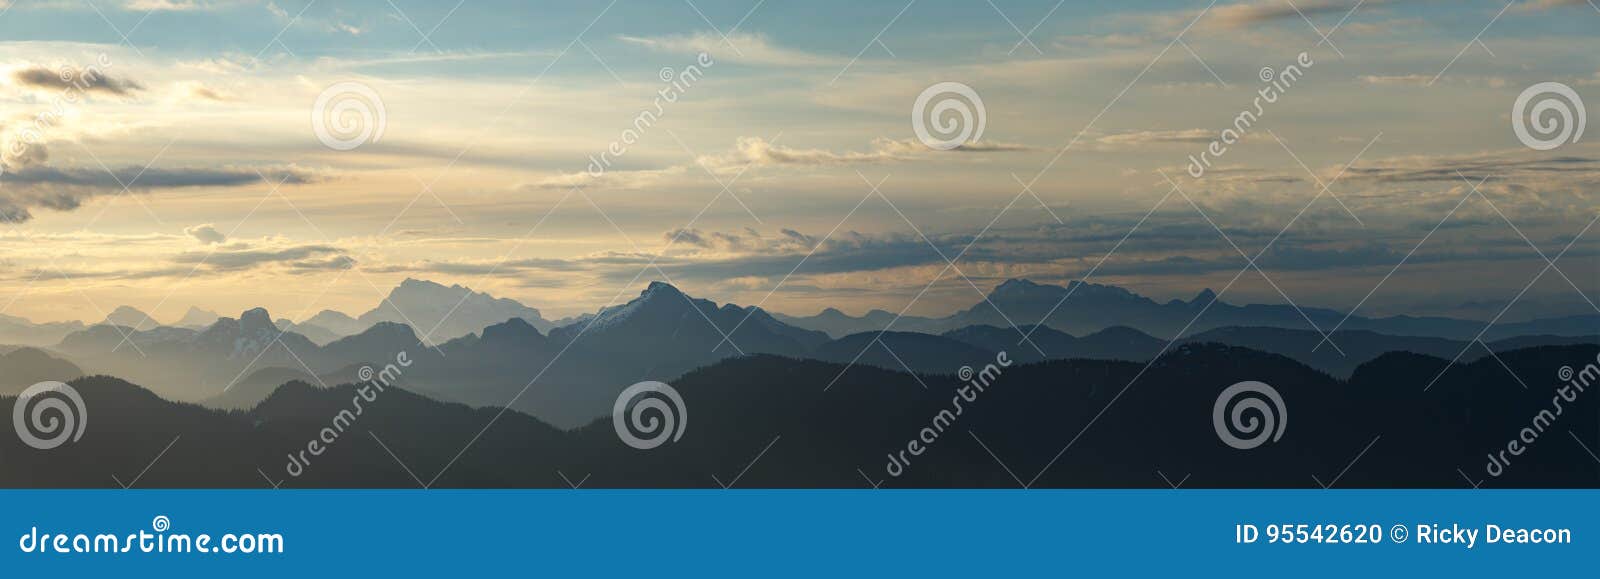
[420, 285]
[512, 330]
[129, 317]
[1022, 289]
[1204, 297]
[658, 288]
[256, 318]
[197, 318]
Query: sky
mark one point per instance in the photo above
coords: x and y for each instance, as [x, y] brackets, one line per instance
[303, 156]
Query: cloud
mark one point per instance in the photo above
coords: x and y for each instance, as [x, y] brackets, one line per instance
[205, 233]
[914, 147]
[164, 6]
[615, 180]
[1425, 80]
[744, 242]
[65, 189]
[1247, 14]
[739, 47]
[89, 81]
[1536, 5]
[239, 257]
[758, 152]
[1411, 79]
[1515, 166]
[195, 91]
[1141, 138]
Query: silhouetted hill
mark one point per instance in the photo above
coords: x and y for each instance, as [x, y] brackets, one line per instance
[255, 387]
[24, 367]
[1114, 343]
[1090, 421]
[922, 353]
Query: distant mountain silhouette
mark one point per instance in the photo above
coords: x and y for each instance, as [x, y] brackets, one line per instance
[190, 365]
[919, 352]
[441, 313]
[1075, 423]
[695, 327]
[197, 319]
[20, 331]
[1304, 346]
[24, 367]
[1089, 308]
[317, 334]
[839, 324]
[336, 322]
[129, 317]
[256, 387]
[574, 374]
[1114, 343]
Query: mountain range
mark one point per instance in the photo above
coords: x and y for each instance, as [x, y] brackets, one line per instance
[1083, 308]
[572, 373]
[765, 421]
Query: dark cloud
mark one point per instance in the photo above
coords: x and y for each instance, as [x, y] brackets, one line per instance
[65, 189]
[1504, 165]
[89, 81]
[231, 259]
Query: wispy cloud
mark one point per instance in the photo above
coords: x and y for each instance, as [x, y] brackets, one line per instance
[738, 47]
